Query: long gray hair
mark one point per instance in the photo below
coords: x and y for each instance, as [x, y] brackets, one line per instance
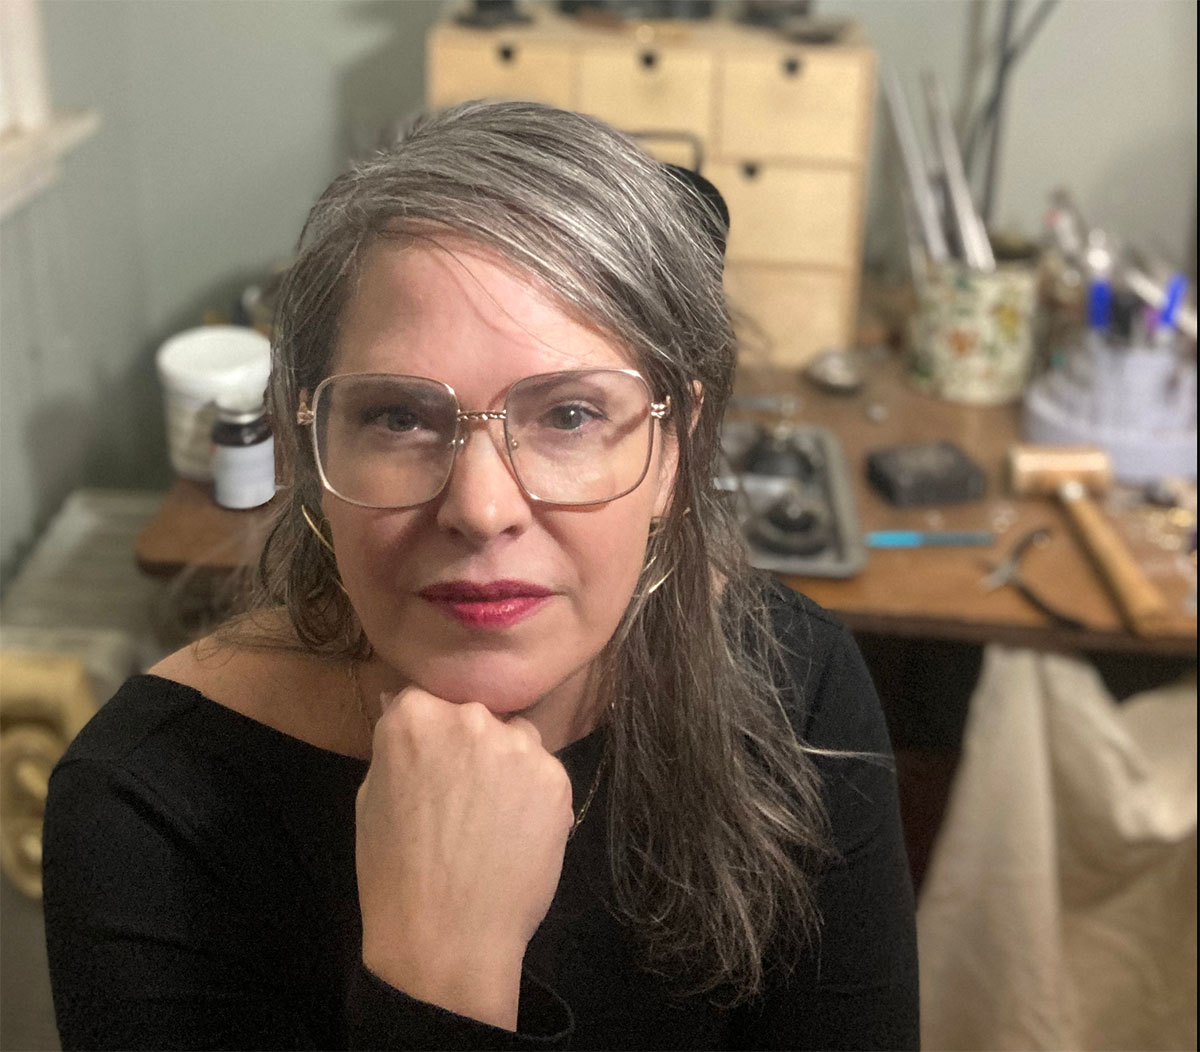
[715, 817]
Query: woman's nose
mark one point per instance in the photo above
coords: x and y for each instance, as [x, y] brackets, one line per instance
[482, 498]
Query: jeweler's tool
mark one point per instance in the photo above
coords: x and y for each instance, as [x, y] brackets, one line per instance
[1071, 473]
[1006, 573]
[929, 538]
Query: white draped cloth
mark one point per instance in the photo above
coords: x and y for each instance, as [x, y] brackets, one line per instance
[1059, 907]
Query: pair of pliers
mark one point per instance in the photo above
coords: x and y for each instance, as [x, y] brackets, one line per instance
[1005, 573]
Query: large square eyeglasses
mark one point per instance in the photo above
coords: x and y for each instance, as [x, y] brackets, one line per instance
[383, 440]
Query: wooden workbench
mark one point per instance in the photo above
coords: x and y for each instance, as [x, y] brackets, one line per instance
[930, 593]
[936, 593]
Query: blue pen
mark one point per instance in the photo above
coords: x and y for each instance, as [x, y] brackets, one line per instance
[928, 538]
[1100, 305]
[1160, 327]
[1173, 297]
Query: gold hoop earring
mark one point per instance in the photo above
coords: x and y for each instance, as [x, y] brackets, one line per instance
[659, 583]
[655, 530]
[325, 542]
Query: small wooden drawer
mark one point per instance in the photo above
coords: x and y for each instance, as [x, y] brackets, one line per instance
[499, 67]
[795, 104]
[784, 214]
[652, 88]
[785, 315]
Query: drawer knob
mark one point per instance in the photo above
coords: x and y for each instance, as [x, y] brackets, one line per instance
[750, 170]
[649, 59]
[792, 66]
[506, 52]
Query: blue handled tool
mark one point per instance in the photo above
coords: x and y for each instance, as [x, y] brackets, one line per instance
[929, 538]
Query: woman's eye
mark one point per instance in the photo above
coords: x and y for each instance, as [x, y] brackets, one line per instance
[392, 418]
[570, 416]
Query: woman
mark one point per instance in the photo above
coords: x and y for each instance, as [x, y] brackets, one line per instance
[515, 752]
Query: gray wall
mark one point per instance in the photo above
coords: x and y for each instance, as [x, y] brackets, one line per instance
[222, 121]
[1103, 102]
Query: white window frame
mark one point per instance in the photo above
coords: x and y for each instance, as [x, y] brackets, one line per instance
[33, 135]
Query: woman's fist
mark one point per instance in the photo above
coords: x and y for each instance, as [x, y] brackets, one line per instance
[462, 824]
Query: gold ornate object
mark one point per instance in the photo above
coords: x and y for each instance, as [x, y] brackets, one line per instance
[45, 699]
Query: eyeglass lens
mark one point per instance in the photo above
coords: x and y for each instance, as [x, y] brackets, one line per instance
[572, 437]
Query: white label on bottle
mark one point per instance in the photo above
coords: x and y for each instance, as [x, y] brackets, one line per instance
[244, 476]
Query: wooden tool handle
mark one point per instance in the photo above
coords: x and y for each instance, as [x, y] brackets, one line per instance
[1141, 603]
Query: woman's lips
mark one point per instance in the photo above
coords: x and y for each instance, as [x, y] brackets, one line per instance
[491, 604]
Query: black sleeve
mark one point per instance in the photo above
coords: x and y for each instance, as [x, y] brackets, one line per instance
[144, 950]
[382, 1017]
[858, 989]
[156, 942]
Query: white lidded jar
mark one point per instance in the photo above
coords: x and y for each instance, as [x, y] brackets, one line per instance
[197, 367]
[243, 453]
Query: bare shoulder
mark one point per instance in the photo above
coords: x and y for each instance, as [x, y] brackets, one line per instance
[305, 695]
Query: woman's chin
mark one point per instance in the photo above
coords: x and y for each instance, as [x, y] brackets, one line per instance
[501, 696]
[497, 700]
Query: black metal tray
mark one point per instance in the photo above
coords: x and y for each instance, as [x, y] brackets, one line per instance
[799, 515]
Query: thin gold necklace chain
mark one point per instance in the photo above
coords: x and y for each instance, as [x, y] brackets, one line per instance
[587, 800]
[356, 686]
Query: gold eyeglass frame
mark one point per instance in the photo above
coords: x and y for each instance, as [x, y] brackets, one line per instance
[306, 416]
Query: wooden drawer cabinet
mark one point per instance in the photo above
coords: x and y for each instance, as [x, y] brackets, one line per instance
[649, 89]
[501, 66]
[793, 104]
[788, 214]
[784, 132]
[788, 314]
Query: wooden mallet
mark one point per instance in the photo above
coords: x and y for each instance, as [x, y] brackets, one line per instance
[1072, 474]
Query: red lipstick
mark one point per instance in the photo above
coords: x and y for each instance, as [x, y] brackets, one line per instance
[491, 604]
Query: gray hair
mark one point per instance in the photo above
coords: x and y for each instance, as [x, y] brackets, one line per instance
[714, 811]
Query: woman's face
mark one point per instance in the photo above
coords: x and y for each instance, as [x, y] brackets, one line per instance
[482, 594]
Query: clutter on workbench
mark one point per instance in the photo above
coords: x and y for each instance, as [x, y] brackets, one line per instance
[1124, 378]
[1160, 519]
[1075, 474]
[836, 371]
[923, 473]
[197, 368]
[971, 337]
[930, 539]
[794, 498]
[243, 456]
[1006, 573]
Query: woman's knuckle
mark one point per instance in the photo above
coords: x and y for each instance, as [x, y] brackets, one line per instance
[474, 718]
